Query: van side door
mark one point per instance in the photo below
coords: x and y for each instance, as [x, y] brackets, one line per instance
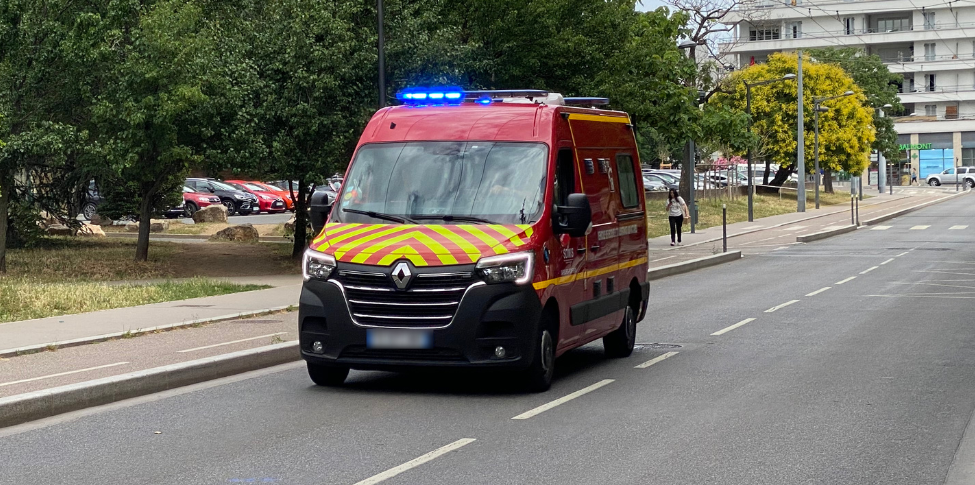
[599, 183]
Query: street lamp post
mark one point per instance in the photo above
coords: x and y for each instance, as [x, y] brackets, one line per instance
[882, 162]
[817, 101]
[748, 110]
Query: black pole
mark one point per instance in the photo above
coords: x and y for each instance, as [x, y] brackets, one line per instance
[382, 57]
[748, 110]
[857, 210]
[724, 228]
[853, 220]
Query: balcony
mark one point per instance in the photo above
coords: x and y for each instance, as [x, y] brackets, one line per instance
[855, 37]
[922, 63]
[940, 93]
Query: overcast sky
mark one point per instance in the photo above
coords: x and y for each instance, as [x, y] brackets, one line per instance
[649, 5]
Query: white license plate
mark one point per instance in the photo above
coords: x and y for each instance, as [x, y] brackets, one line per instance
[398, 339]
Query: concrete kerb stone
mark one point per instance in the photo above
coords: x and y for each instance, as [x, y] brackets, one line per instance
[691, 265]
[32, 406]
[140, 331]
[886, 217]
[190, 237]
[816, 236]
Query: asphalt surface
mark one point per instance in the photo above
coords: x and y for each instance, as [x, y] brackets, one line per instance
[868, 381]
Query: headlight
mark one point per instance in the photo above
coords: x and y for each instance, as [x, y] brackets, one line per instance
[239, 197]
[317, 265]
[266, 197]
[507, 268]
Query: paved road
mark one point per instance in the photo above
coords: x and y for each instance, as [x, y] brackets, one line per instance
[856, 369]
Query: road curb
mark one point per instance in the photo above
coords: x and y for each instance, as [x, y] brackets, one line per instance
[136, 332]
[887, 217]
[32, 406]
[816, 236]
[691, 265]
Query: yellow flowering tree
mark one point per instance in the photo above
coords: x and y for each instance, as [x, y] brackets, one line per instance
[846, 131]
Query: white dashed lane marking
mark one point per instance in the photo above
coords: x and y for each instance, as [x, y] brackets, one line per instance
[869, 269]
[392, 472]
[562, 400]
[728, 329]
[957, 228]
[846, 280]
[919, 228]
[819, 291]
[885, 262]
[880, 228]
[777, 307]
[655, 360]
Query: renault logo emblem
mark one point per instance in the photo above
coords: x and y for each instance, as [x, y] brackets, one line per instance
[401, 275]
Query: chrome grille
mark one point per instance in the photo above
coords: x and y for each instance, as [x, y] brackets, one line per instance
[431, 299]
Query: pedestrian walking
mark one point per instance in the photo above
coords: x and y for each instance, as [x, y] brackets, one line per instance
[677, 212]
[914, 176]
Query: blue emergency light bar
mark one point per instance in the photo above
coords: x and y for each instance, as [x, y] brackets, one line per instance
[452, 95]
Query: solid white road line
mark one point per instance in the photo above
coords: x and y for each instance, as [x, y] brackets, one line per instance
[776, 307]
[781, 247]
[844, 281]
[562, 400]
[819, 291]
[869, 270]
[655, 360]
[901, 254]
[728, 329]
[957, 228]
[230, 343]
[392, 472]
[880, 228]
[661, 259]
[919, 228]
[885, 262]
[61, 374]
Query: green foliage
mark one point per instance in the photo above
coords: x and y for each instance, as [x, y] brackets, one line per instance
[879, 85]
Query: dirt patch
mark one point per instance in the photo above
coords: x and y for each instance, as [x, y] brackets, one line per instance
[232, 259]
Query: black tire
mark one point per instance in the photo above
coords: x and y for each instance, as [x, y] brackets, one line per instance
[326, 375]
[538, 376]
[189, 209]
[969, 183]
[620, 343]
[231, 207]
[245, 212]
[89, 210]
[934, 183]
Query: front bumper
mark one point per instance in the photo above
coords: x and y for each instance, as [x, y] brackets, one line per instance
[489, 316]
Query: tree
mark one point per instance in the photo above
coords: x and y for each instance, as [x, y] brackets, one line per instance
[845, 131]
[147, 114]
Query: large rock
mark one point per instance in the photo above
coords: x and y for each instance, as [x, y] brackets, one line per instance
[153, 227]
[100, 220]
[213, 213]
[132, 227]
[242, 233]
[91, 230]
[59, 230]
[289, 226]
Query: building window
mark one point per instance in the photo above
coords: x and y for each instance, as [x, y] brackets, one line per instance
[929, 81]
[794, 30]
[928, 20]
[930, 110]
[893, 25]
[763, 33]
[849, 24]
[968, 156]
[929, 52]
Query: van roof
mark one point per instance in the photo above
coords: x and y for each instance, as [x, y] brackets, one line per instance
[471, 121]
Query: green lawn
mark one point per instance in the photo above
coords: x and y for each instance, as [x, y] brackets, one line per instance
[709, 210]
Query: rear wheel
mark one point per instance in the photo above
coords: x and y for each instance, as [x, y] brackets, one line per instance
[89, 210]
[326, 375]
[189, 209]
[620, 343]
[538, 376]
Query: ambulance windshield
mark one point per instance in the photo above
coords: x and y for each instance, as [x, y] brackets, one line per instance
[445, 182]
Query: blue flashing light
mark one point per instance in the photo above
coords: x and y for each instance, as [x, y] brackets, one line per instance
[418, 96]
[485, 100]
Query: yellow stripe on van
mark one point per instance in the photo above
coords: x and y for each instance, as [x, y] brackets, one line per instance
[462, 243]
[606, 119]
[490, 241]
[588, 274]
[365, 239]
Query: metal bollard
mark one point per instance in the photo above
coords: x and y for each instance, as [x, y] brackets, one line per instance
[724, 228]
[852, 215]
[858, 212]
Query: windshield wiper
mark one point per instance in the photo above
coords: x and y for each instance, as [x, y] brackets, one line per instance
[451, 218]
[380, 215]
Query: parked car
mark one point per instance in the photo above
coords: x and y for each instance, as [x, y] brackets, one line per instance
[653, 184]
[236, 201]
[194, 201]
[92, 200]
[267, 201]
[950, 176]
[656, 180]
[285, 194]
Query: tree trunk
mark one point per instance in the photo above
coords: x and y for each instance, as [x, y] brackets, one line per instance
[768, 169]
[301, 218]
[6, 191]
[145, 223]
[827, 181]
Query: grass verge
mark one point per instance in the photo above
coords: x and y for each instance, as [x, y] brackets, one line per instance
[709, 210]
[24, 299]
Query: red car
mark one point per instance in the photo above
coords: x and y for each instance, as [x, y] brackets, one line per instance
[268, 201]
[192, 202]
[278, 191]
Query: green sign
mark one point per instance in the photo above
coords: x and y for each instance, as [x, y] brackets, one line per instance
[917, 146]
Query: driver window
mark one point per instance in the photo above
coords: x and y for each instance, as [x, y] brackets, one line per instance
[565, 180]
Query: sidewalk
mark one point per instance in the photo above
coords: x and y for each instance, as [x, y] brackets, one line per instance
[72, 329]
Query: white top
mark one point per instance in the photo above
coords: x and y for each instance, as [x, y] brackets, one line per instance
[675, 209]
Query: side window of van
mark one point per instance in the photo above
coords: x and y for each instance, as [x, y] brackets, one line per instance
[627, 179]
[565, 178]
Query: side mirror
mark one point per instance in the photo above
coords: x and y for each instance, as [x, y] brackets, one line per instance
[574, 218]
[210, 189]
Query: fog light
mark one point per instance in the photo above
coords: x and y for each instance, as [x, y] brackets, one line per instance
[499, 352]
[317, 347]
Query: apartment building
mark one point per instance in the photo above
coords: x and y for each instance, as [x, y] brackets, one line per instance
[930, 42]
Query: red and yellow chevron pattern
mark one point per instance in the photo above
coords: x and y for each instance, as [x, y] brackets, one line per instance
[423, 245]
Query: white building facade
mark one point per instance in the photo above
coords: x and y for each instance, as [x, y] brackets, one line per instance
[930, 42]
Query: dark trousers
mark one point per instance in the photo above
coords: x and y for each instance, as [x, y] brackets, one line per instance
[675, 226]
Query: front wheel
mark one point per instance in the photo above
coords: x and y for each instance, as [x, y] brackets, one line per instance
[969, 183]
[231, 208]
[538, 376]
[934, 182]
[620, 343]
[189, 209]
[327, 376]
[89, 211]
